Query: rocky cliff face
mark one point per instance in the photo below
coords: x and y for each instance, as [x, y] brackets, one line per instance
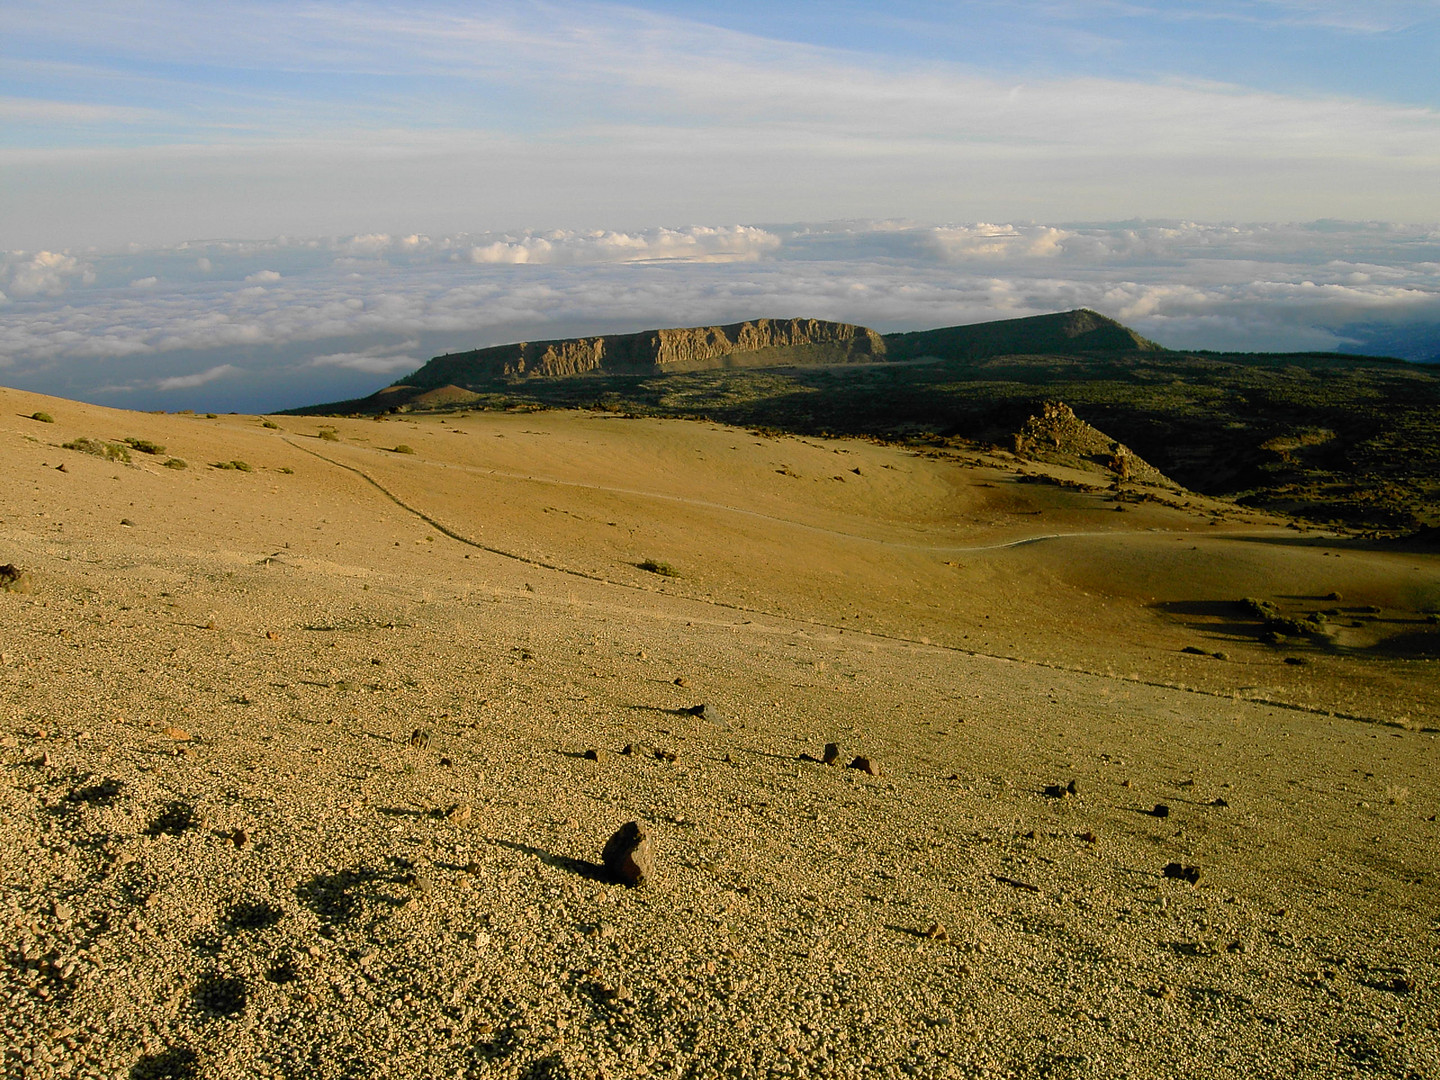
[757, 343]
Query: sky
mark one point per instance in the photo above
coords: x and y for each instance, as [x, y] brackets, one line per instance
[207, 204]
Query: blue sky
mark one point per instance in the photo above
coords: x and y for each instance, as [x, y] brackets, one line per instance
[155, 121]
[261, 203]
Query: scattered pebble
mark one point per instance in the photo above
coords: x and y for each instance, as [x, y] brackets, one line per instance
[866, 765]
[831, 754]
[459, 814]
[937, 932]
[420, 738]
[594, 754]
[1181, 872]
[629, 855]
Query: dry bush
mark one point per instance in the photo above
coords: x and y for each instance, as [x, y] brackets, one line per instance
[99, 448]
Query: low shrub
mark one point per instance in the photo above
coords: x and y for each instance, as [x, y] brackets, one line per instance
[108, 450]
[43, 417]
[239, 466]
[145, 446]
[175, 463]
[329, 435]
[654, 566]
[403, 449]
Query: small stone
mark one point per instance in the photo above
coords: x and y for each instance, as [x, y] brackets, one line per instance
[1180, 872]
[459, 814]
[178, 734]
[682, 681]
[420, 738]
[706, 712]
[64, 912]
[1055, 791]
[866, 765]
[1089, 837]
[445, 763]
[1161, 810]
[629, 855]
[831, 754]
[1072, 788]
[127, 522]
[594, 755]
[1219, 801]
[628, 750]
[272, 635]
[666, 755]
[240, 838]
[937, 932]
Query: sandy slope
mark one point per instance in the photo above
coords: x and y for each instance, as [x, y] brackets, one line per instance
[982, 638]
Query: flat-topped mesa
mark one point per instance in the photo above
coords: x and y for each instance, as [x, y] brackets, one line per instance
[756, 343]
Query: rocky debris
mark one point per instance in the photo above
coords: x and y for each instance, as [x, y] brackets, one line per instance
[1161, 810]
[831, 754]
[628, 750]
[420, 739]
[629, 855]
[868, 766]
[681, 681]
[594, 754]
[937, 932]
[176, 734]
[1056, 791]
[459, 814]
[13, 579]
[1180, 872]
[1058, 434]
[240, 838]
[666, 755]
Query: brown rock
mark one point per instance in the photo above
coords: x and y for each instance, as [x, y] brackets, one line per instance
[866, 765]
[629, 855]
[1181, 872]
[13, 579]
[459, 814]
[420, 738]
[1161, 810]
[831, 754]
[937, 932]
[594, 755]
[178, 734]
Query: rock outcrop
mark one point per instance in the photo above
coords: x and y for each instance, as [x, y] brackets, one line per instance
[1059, 436]
[757, 343]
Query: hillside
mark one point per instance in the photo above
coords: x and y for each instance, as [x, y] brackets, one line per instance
[313, 732]
[1065, 334]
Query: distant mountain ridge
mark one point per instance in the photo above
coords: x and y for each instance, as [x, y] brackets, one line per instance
[1067, 333]
[755, 343]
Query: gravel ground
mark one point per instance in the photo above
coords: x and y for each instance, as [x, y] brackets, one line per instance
[281, 816]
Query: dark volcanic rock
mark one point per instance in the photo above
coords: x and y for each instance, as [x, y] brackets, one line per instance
[629, 855]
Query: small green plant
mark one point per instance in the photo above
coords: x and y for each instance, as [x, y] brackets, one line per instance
[240, 466]
[145, 446]
[108, 450]
[286, 469]
[403, 449]
[329, 435]
[175, 463]
[43, 417]
[654, 566]
[270, 424]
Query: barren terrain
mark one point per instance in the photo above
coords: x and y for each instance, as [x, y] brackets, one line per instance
[294, 776]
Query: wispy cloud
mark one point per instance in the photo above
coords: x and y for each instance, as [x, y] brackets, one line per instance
[200, 378]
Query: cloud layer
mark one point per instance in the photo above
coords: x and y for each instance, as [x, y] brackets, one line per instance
[261, 325]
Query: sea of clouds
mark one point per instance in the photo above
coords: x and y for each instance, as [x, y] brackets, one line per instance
[253, 326]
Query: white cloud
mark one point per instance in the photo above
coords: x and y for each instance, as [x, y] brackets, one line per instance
[45, 273]
[145, 282]
[263, 277]
[200, 378]
[1187, 284]
[378, 360]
